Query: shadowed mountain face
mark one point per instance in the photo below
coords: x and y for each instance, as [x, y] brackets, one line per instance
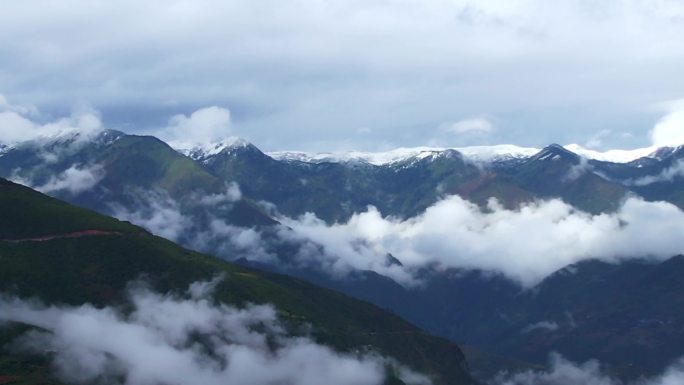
[229, 201]
[61, 254]
[119, 164]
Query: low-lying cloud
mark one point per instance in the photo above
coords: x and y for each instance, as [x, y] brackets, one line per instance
[231, 195]
[157, 212]
[525, 244]
[74, 180]
[666, 175]
[171, 339]
[199, 222]
[564, 372]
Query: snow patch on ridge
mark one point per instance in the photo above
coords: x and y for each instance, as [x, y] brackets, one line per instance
[479, 154]
[475, 153]
[614, 156]
[198, 151]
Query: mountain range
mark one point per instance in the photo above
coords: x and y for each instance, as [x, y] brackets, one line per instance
[65, 255]
[268, 210]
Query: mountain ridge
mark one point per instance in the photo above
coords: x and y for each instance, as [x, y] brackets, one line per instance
[63, 268]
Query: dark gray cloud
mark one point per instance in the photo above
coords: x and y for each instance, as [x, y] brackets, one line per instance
[320, 75]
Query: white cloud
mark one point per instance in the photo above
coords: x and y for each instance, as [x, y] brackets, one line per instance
[669, 130]
[15, 128]
[471, 126]
[564, 372]
[197, 222]
[74, 180]
[156, 342]
[667, 175]
[231, 195]
[525, 245]
[541, 325]
[26, 110]
[233, 242]
[579, 169]
[156, 212]
[18, 124]
[597, 139]
[205, 125]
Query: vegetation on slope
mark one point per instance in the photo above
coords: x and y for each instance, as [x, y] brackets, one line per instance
[97, 269]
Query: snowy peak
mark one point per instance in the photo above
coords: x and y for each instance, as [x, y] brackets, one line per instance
[615, 156]
[374, 158]
[498, 153]
[202, 152]
[555, 152]
[480, 154]
[476, 154]
[71, 138]
[666, 152]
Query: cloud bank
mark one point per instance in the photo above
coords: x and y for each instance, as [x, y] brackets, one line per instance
[564, 372]
[169, 339]
[525, 244]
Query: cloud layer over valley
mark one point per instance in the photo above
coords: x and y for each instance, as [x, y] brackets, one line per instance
[184, 340]
[565, 372]
[525, 245]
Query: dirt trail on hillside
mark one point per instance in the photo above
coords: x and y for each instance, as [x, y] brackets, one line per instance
[77, 234]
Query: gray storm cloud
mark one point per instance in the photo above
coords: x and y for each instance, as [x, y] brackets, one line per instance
[158, 342]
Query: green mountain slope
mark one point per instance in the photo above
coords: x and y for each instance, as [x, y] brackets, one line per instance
[51, 251]
[558, 173]
[130, 169]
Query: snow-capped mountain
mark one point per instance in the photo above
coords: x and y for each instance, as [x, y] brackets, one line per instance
[477, 154]
[174, 192]
[68, 138]
[201, 152]
[614, 156]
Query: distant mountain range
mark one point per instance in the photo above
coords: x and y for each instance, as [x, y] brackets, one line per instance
[230, 199]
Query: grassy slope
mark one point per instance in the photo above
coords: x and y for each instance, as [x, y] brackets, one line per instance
[163, 166]
[96, 269]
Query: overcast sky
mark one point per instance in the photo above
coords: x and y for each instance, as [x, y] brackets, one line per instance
[364, 74]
